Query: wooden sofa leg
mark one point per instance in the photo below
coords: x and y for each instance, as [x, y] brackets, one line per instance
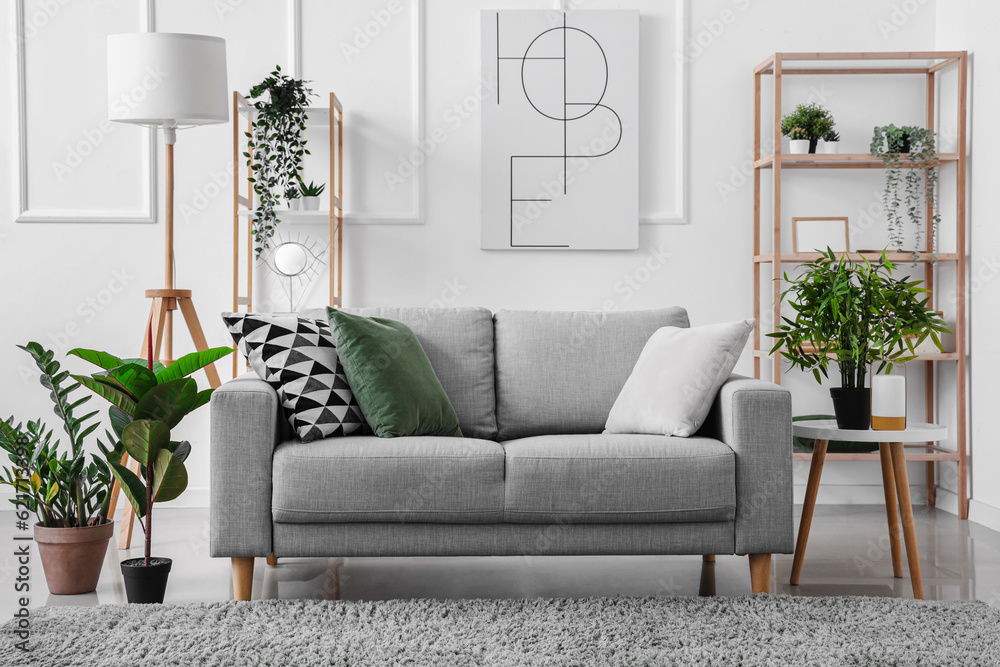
[242, 578]
[708, 558]
[760, 573]
[272, 560]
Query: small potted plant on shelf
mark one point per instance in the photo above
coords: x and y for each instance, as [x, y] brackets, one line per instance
[917, 147]
[275, 146]
[69, 497]
[147, 400]
[310, 194]
[798, 141]
[857, 314]
[293, 198]
[812, 120]
[831, 142]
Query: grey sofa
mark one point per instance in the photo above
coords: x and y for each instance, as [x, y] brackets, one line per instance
[534, 475]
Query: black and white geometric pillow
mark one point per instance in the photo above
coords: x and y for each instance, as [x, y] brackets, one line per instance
[297, 357]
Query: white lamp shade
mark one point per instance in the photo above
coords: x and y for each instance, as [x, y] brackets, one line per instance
[169, 79]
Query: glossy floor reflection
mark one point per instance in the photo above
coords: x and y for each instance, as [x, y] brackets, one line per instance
[848, 555]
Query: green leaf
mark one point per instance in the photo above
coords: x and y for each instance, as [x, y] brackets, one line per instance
[143, 438]
[119, 419]
[169, 476]
[137, 379]
[53, 490]
[134, 489]
[190, 363]
[168, 402]
[102, 359]
[157, 366]
[180, 449]
[203, 397]
[108, 392]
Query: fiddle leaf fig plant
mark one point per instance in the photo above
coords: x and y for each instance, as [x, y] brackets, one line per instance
[854, 313]
[275, 146]
[147, 400]
[919, 184]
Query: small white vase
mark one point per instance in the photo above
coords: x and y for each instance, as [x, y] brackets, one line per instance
[295, 204]
[310, 203]
[831, 146]
[798, 146]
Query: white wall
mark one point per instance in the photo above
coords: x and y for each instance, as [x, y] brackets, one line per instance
[52, 270]
[974, 25]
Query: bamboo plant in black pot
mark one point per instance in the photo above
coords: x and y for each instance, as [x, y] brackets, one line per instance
[857, 314]
[147, 400]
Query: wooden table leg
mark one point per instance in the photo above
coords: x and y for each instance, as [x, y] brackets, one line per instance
[889, 487]
[906, 513]
[812, 489]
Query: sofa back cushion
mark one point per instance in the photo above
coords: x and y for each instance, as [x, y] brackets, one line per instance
[459, 345]
[560, 372]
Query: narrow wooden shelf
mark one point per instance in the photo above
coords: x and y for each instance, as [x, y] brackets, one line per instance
[836, 161]
[937, 356]
[899, 257]
[318, 116]
[919, 69]
[286, 215]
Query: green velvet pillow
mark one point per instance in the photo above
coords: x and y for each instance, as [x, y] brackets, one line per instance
[391, 377]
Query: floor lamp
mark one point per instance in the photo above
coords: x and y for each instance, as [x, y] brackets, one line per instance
[170, 81]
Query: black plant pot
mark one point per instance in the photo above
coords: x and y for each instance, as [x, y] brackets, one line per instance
[813, 143]
[146, 585]
[900, 145]
[852, 407]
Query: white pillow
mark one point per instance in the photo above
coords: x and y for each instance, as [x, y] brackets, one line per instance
[676, 378]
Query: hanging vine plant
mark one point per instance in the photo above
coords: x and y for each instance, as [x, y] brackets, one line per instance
[275, 146]
[919, 184]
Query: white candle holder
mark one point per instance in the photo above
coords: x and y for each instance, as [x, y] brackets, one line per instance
[888, 399]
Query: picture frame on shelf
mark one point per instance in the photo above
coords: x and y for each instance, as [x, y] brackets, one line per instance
[815, 234]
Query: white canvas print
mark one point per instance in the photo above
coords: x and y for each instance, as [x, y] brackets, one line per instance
[560, 149]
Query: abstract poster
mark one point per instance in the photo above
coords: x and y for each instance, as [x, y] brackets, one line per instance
[560, 149]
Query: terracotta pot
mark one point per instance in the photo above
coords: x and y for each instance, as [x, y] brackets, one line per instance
[72, 557]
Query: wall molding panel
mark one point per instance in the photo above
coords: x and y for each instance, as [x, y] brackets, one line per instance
[24, 211]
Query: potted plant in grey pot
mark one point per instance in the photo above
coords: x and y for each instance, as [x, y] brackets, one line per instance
[857, 314]
[69, 497]
[148, 399]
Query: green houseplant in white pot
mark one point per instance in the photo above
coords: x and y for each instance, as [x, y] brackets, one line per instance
[68, 495]
[859, 315]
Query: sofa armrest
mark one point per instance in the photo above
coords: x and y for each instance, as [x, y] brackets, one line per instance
[754, 418]
[246, 427]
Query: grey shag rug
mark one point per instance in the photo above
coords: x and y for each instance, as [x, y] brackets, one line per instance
[758, 630]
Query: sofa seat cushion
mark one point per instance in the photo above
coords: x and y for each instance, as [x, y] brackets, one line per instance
[619, 478]
[425, 479]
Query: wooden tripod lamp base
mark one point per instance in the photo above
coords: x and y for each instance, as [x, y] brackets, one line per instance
[165, 302]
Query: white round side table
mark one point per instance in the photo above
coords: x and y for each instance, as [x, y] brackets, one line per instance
[894, 483]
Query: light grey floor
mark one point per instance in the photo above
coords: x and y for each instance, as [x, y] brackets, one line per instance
[848, 555]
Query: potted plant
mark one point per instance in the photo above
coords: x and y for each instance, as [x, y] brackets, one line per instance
[831, 142]
[147, 400]
[812, 120]
[857, 314]
[275, 146]
[919, 185]
[798, 141]
[293, 198]
[310, 194]
[69, 497]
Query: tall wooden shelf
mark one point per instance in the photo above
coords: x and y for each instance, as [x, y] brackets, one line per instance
[244, 210]
[925, 66]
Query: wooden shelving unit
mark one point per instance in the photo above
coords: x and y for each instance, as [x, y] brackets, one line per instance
[243, 206]
[924, 66]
